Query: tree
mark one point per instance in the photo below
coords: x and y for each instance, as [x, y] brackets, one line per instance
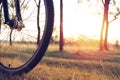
[11, 37]
[103, 44]
[106, 5]
[61, 26]
[0, 17]
[38, 19]
[105, 22]
[0, 20]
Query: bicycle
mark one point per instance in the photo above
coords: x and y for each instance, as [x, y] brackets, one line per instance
[22, 42]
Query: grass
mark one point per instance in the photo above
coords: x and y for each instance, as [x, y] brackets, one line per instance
[17, 54]
[77, 65]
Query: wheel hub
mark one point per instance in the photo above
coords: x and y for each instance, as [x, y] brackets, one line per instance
[15, 24]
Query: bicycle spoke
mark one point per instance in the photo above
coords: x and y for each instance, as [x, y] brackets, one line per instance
[18, 41]
[22, 48]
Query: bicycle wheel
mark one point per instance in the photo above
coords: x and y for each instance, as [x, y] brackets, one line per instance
[21, 50]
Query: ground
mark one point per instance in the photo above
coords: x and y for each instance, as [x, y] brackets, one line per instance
[76, 64]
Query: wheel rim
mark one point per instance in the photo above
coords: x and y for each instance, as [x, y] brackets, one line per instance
[24, 43]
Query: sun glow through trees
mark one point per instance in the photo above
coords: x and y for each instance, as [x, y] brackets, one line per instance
[86, 18]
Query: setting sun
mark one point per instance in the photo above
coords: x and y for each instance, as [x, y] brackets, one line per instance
[84, 19]
[81, 20]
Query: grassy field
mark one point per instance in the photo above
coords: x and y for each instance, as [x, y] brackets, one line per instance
[75, 63]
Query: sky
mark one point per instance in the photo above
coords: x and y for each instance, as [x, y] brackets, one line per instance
[83, 19]
[78, 19]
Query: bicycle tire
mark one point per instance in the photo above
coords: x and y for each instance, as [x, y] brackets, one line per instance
[42, 47]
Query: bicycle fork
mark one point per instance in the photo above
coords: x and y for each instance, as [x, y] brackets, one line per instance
[17, 22]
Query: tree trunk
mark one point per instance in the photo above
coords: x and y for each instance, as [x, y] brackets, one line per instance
[0, 17]
[101, 34]
[38, 25]
[11, 37]
[61, 27]
[0, 21]
[107, 24]
[103, 45]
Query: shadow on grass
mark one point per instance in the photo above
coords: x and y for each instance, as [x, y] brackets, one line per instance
[104, 63]
[24, 57]
[81, 55]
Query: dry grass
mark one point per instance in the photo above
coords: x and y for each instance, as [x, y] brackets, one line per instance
[75, 63]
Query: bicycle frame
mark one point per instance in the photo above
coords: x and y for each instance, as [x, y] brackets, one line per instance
[8, 21]
[6, 13]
